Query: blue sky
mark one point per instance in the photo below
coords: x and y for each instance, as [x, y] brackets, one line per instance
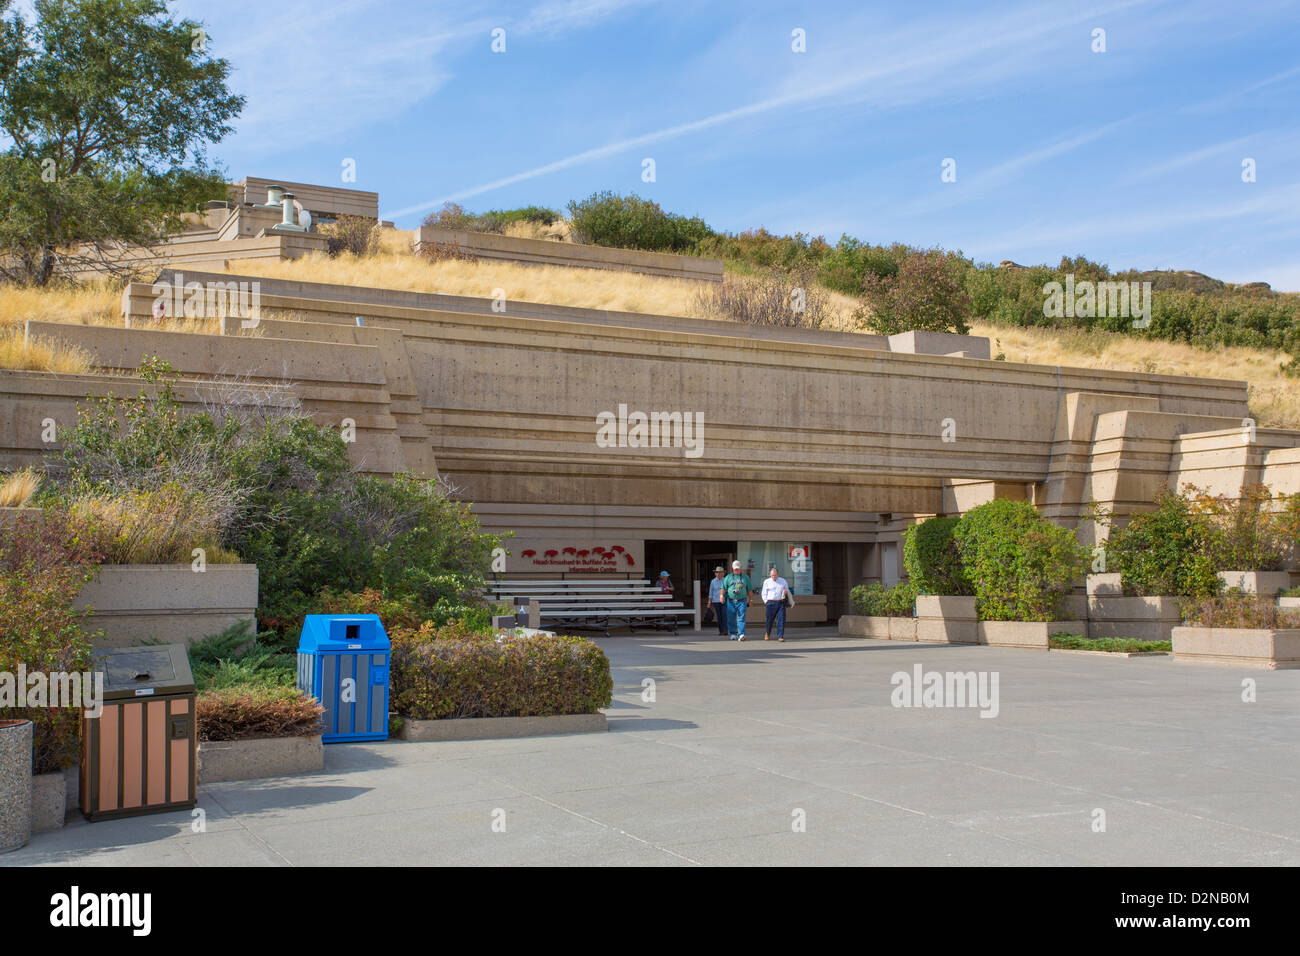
[1132, 156]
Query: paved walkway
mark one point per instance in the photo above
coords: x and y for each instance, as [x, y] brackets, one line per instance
[742, 741]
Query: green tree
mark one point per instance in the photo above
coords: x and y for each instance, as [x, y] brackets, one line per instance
[927, 293]
[109, 105]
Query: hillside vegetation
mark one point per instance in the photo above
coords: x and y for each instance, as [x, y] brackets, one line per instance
[1200, 326]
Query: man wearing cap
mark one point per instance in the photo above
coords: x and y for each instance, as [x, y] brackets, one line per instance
[665, 586]
[715, 600]
[737, 587]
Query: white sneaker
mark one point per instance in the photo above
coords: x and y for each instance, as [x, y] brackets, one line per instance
[741, 637]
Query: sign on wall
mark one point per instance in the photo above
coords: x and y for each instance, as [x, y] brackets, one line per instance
[609, 556]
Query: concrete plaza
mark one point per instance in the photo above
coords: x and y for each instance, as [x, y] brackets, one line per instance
[742, 742]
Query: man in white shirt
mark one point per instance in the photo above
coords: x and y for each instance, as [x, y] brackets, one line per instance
[715, 599]
[775, 591]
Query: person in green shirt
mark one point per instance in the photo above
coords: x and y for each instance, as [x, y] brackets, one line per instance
[736, 588]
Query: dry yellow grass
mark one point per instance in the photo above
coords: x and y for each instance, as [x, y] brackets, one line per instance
[89, 303]
[1274, 398]
[17, 488]
[38, 355]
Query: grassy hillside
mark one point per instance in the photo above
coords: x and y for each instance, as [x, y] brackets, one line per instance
[1275, 399]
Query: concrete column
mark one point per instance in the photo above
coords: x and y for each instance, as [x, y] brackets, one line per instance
[698, 609]
[534, 613]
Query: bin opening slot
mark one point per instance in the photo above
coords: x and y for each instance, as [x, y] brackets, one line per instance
[354, 632]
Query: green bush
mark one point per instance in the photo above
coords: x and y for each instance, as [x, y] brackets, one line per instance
[876, 600]
[236, 658]
[927, 293]
[630, 222]
[456, 672]
[1166, 552]
[454, 216]
[404, 612]
[1021, 566]
[931, 558]
[1245, 533]
[44, 563]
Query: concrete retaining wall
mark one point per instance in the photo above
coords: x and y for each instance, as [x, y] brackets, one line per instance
[550, 252]
[221, 760]
[1258, 648]
[170, 602]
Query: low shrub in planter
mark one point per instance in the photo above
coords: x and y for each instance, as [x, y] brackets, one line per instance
[876, 600]
[1246, 533]
[44, 563]
[932, 560]
[249, 711]
[1021, 565]
[1239, 610]
[456, 672]
[156, 526]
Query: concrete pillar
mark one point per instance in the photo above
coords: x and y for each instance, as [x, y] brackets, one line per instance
[698, 608]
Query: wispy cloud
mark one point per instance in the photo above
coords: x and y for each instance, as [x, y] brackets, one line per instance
[920, 65]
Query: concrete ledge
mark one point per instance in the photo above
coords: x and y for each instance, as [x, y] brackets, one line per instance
[49, 801]
[1105, 585]
[1267, 583]
[221, 760]
[946, 620]
[133, 602]
[880, 628]
[1144, 618]
[1027, 634]
[1259, 648]
[490, 728]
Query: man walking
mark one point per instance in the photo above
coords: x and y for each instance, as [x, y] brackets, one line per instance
[775, 592]
[737, 587]
[715, 600]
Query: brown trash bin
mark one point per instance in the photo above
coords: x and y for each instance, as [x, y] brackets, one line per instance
[138, 756]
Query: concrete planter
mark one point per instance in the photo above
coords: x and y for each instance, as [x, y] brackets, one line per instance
[136, 602]
[1027, 634]
[221, 760]
[1144, 618]
[15, 783]
[1288, 602]
[490, 728]
[946, 620]
[1260, 648]
[880, 628]
[49, 801]
[1267, 583]
[1105, 585]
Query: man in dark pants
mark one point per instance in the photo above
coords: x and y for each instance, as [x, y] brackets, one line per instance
[775, 590]
[715, 599]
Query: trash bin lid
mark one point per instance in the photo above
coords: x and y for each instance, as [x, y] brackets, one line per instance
[145, 671]
[342, 632]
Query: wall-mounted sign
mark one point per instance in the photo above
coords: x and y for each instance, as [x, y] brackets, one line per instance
[612, 556]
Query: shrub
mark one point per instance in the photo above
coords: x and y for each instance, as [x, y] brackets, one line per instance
[1166, 552]
[455, 672]
[355, 235]
[454, 216]
[1244, 533]
[1021, 566]
[876, 600]
[404, 612]
[248, 711]
[234, 657]
[931, 559]
[791, 300]
[160, 526]
[927, 293]
[44, 563]
[630, 222]
[1239, 610]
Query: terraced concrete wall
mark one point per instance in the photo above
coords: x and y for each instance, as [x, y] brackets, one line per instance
[321, 200]
[553, 253]
[805, 435]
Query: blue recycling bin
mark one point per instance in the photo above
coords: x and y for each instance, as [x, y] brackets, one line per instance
[343, 662]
